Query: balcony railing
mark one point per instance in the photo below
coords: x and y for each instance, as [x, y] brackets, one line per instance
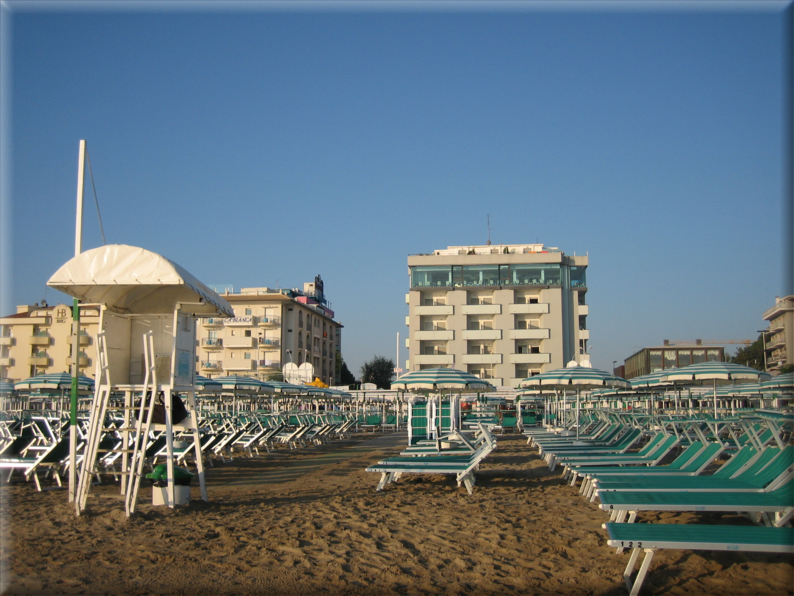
[6, 341]
[269, 344]
[39, 340]
[213, 322]
[212, 343]
[211, 365]
[274, 364]
[269, 321]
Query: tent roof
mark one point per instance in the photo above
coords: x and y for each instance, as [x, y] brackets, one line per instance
[132, 280]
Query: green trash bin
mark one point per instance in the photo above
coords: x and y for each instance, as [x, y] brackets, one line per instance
[159, 480]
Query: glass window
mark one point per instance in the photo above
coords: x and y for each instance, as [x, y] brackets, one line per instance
[431, 276]
[481, 275]
[684, 358]
[698, 356]
[713, 355]
[656, 359]
[669, 358]
[578, 279]
[248, 312]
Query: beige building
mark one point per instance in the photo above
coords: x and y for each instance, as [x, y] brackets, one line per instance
[670, 355]
[502, 313]
[271, 327]
[779, 337]
[38, 339]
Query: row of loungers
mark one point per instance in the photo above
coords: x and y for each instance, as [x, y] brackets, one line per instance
[756, 480]
[32, 446]
[457, 454]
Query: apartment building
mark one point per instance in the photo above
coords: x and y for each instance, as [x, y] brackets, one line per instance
[270, 328]
[779, 336]
[502, 313]
[38, 339]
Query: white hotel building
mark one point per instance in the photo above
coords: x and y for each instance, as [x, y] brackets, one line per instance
[503, 313]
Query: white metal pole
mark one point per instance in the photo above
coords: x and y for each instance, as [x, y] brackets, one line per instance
[78, 248]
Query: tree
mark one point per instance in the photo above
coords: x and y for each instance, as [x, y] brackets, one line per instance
[786, 368]
[752, 355]
[342, 372]
[379, 370]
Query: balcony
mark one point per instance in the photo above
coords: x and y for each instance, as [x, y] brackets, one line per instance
[407, 321]
[584, 334]
[212, 344]
[583, 309]
[481, 359]
[39, 340]
[269, 344]
[6, 341]
[439, 359]
[82, 361]
[481, 309]
[270, 364]
[537, 358]
[481, 334]
[239, 364]
[84, 340]
[439, 309]
[6, 362]
[529, 334]
[440, 334]
[538, 308]
[213, 322]
[212, 366]
[269, 322]
[40, 361]
[240, 342]
[776, 341]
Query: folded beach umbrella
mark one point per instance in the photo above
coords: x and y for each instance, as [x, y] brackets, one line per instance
[244, 384]
[575, 376]
[286, 388]
[6, 388]
[716, 373]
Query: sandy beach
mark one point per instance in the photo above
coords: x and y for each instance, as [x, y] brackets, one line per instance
[309, 521]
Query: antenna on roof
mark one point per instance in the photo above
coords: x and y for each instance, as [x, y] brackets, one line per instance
[489, 229]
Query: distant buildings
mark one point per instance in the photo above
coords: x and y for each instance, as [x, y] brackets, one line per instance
[38, 339]
[502, 313]
[648, 360]
[271, 327]
[779, 336]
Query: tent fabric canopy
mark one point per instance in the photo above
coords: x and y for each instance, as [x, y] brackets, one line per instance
[132, 280]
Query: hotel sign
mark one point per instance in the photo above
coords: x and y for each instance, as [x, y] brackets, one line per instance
[239, 321]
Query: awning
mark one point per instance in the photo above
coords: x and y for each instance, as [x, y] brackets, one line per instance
[132, 280]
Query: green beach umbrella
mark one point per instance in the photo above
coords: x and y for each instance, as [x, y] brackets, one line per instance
[784, 381]
[576, 377]
[718, 373]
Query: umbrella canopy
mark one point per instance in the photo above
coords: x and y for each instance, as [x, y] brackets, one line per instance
[577, 377]
[743, 389]
[784, 381]
[62, 380]
[132, 280]
[654, 379]
[239, 383]
[436, 379]
[722, 372]
[207, 384]
[6, 388]
[574, 376]
[286, 388]
[717, 373]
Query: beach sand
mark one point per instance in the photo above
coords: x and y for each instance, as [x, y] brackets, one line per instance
[309, 521]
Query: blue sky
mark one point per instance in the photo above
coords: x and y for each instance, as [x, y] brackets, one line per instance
[265, 145]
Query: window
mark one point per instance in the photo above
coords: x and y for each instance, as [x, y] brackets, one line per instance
[247, 356]
[300, 319]
[248, 312]
[248, 333]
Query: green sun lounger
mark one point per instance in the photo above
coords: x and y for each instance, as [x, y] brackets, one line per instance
[779, 503]
[652, 537]
[770, 470]
[685, 464]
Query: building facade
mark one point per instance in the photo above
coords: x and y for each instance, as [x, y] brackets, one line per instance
[502, 313]
[779, 336]
[38, 339]
[271, 327]
[670, 355]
